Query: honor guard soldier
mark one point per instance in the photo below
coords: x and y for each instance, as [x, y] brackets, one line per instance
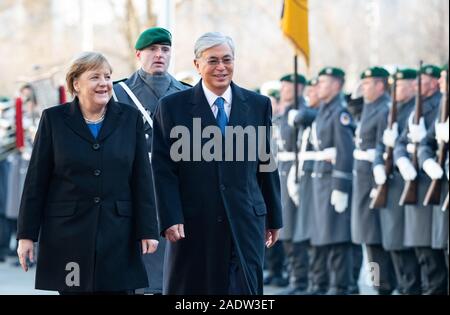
[143, 89]
[365, 222]
[302, 194]
[332, 179]
[418, 218]
[392, 215]
[435, 145]
[286, 143]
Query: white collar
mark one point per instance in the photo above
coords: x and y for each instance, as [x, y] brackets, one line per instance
[211, 97]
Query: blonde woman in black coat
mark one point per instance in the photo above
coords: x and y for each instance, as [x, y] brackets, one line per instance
[86, 199]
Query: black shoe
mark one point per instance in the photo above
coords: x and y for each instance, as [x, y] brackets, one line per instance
[337, 291]
[294, 291]
[2, 258]
[267, 280]
[317, 291]
[353, 289]
[280, 282]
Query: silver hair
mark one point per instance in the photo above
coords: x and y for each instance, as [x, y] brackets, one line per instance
[211, 39]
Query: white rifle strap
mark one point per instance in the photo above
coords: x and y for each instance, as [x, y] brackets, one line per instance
[138, 103]
[114, 96]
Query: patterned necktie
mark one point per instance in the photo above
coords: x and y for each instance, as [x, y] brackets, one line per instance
[222, 119]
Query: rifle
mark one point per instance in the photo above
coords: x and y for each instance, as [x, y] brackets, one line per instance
[380, 199]
[433, 195]
[409, 194]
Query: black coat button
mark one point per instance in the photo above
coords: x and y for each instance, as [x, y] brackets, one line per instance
[97, 172]
[220, 219]
[222, 187]
[96, 146]
[97, 200]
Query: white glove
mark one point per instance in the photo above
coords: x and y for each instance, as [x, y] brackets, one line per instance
[379, 174]
[442, 132]
[433, 169]
[417, 132]
[339, 200]
[390, 135]
[406, 169]
[291, 117]
[293, 187]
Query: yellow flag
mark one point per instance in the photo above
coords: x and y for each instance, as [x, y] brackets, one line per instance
[294, 24]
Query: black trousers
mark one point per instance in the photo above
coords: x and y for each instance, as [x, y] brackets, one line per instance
[407, 271]
[297, 263]
[340, 266]
[387, 279]
[357, 260]
[319, 269]
[434, 270]
[5, 234]
[275, 258]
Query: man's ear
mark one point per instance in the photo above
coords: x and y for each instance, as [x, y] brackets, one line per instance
[197, 66]
[138, 54]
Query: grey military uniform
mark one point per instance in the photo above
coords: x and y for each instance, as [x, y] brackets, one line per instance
[304, 223]
[418, 218]
[286, 143]
[143, 86]
[393, 215]
[365, 222]
[332, 129]
[427, 150]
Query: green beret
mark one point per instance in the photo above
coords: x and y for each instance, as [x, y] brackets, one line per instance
[312, 82]
[4, 99]
[154, 35]
[406, 74]
[334, 72]
[431, 70]
[445, 67]
[375, 72]
[291, 78]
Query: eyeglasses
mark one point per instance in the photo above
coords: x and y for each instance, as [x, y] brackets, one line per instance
[216, 61]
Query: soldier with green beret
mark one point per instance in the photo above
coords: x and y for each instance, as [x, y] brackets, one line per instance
[365, 222]
[285, 135]
[418, 218]
[143, 89]
[332, 137]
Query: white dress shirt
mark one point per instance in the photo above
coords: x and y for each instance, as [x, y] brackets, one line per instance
[211, 98]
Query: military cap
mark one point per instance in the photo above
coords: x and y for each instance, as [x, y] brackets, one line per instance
[312, 82]
[431, 70]
[332, 71]
[154, 35]
[406, 74]
[274, 94]
[291, 78]
[444, 67]
[375, 72]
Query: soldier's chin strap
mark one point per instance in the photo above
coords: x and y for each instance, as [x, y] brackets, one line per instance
[135, 100]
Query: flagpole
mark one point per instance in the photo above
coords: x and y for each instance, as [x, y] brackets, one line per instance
[296, 108]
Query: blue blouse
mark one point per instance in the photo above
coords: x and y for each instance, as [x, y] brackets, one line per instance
[95, 128]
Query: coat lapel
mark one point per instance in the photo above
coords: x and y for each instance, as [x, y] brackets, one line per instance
[74, 119]
[112, 118]
[201, 108]
[239, 107]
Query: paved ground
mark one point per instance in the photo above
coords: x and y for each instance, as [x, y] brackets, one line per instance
[14, 281]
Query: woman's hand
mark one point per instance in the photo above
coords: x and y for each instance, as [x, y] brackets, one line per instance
[25, 250]
[149, 246]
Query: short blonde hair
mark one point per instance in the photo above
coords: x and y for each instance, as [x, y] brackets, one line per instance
[84, 62]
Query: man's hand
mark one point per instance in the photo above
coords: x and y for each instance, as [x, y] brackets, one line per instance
[379, 174]
[339, 200]
[433, 169]
[406, 169]
[175, 233]
[442, 133]
[272, 237]
[417, 132]
[292, 114]
[25, 250]
[149, 246]
[390, 136]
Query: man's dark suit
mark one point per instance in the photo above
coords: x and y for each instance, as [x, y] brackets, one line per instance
[89, 200]
[219, 203]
